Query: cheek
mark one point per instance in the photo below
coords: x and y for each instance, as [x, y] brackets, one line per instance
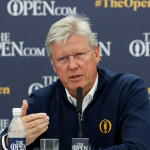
[91, 64]
[61, 72]
[58, 70]
[90, 69]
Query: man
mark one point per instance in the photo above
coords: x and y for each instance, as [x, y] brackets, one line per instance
[116, 109]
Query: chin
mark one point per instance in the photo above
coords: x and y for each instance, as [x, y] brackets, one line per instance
[75, 87]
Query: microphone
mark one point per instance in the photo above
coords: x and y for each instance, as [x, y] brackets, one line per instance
[79, 100]
[80, 142]
[79, 109]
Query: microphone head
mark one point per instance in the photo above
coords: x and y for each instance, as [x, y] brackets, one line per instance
[79, 99]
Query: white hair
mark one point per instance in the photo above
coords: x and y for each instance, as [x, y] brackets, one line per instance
[64, 28]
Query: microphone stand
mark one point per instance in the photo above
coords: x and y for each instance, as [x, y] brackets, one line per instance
[79, 109]
[80, 127]
[80, 143]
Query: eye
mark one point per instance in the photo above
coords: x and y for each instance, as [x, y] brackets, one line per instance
[79, 54]
[62, 59]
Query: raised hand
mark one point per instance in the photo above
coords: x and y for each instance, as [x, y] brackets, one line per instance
[35, 124]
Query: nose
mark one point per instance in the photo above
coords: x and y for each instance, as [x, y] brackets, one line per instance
[72, 63]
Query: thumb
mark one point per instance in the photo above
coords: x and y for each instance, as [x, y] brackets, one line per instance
[24, 108]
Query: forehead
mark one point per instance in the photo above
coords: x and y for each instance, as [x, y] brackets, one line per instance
[73, 43]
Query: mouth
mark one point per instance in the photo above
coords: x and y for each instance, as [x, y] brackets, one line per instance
[75, 77]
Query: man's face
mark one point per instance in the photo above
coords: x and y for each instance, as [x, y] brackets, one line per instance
[76, 73]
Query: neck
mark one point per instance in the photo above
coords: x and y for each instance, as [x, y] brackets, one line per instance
[85, 91]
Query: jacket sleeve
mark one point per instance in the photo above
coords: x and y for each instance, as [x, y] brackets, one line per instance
[134, 120]
[1, 136]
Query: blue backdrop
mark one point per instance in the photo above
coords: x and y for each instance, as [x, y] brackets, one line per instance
[121, 28]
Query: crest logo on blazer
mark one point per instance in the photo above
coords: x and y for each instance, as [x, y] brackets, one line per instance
[105, 126]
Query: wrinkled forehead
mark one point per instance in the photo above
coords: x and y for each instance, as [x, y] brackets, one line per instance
[76, 42]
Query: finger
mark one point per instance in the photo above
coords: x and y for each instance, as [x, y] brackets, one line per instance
[37, 129]
[33, 117]
[34, 136]
[24, 108]
[36, 123]
[37, 134]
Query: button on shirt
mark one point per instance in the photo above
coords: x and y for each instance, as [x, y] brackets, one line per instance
[87, 99]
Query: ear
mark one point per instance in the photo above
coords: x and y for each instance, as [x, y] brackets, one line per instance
[97, 55]
[53, 65]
